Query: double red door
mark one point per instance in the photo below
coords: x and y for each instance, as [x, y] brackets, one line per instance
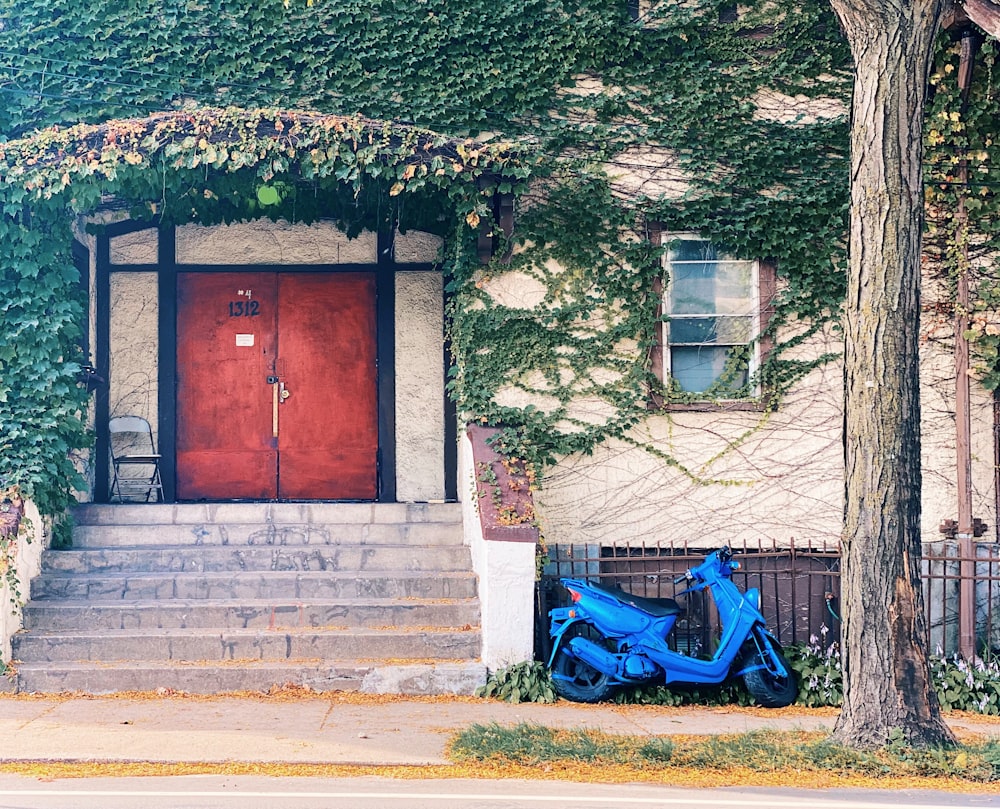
[276, 386]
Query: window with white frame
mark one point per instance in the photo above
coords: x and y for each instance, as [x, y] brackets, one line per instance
[711, 317]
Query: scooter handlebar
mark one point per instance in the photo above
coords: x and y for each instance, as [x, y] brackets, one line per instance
[686, 577]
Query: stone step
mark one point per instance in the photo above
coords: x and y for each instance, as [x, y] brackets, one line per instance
[281, 585]
[224, 534]
[211, 559]
[311, 513]
[249, 614]
[209, 645]
[104, 526]
[210, 598]
[411, 677]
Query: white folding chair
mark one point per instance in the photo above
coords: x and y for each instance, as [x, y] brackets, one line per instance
[135, 460]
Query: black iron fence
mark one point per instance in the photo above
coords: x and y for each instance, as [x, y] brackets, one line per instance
[799, 586]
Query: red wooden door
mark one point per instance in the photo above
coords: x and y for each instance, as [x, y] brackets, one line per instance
[328, 435]
[276, 394]
[226, 347]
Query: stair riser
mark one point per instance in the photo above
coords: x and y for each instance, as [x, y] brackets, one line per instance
[436, 678]
[257, 534]
[51, 679]
[257, 514]
[271, 586]
[216, 559]
[192, 615]
[264, 645]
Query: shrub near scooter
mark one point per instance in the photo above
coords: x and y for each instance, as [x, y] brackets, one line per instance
[608, 638]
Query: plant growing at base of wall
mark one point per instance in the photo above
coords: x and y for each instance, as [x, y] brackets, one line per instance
[960, 686]
[13, 530]
[520, 682]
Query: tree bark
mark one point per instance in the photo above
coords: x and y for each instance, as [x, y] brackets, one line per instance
[886, 673]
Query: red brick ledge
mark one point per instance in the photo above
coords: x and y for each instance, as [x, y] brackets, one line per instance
[512, 491]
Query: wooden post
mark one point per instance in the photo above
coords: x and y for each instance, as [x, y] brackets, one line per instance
[966, 547]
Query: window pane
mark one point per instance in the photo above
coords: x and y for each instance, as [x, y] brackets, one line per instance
[725, 330]
[692, 249]
[706, 287]
[697, 368]
[692, 330]
[692, 288]
[710, 315]
[734, 287]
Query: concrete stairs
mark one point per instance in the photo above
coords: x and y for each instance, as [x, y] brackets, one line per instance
[211, 598]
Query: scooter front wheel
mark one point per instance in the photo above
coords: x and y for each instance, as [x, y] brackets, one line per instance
[768, 689]
[575, 680]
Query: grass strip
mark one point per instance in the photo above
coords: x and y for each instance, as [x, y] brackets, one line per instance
[774, 752]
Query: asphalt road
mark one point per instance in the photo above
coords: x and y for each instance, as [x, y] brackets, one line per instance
[253, 792]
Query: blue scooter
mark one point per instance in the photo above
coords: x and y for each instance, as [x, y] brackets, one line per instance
[608, 638]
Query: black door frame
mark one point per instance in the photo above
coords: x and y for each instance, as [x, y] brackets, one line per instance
[167, 269]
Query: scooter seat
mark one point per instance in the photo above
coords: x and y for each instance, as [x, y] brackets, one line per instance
[658, 607]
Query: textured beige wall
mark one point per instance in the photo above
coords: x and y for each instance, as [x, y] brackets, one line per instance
[419, 386]
[939, 461]
[139, 247]
[760, 478]
[416, 247]
[265, 242]
[736, 476]
[134, 345]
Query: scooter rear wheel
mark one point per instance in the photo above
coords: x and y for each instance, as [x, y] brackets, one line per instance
[575, 680]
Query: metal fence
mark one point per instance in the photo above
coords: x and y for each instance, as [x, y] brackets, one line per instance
[799, 586]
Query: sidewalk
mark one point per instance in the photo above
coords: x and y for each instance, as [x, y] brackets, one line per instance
[335, 728]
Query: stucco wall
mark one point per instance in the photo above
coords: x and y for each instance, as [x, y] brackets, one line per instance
[751, 478]
[265, 242]
[139, 247]
[938, 445]
[736, 476]
[134, 345]
[32, 540]
[415, 247]
[419, 387]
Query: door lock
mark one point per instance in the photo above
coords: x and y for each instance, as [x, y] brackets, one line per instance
[283, 393]
[272, 380]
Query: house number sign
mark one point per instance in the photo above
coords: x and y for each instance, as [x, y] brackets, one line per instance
[247, 308]
[244, 308]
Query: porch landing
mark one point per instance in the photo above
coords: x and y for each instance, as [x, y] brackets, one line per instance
[231, 597]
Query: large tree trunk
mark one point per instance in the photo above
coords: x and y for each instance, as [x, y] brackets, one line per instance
[886, 675]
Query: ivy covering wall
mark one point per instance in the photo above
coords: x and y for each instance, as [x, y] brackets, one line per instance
[963, 234]
[692, 118]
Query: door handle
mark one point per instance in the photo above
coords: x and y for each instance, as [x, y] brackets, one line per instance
[283, 392]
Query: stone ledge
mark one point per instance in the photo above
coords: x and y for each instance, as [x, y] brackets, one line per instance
[434, 678]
